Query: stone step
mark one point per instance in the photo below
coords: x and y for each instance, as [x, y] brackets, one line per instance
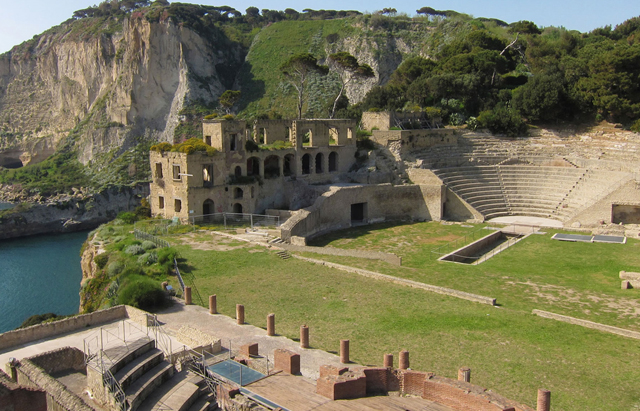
[124, 354]
[178, 393]
[205, 402]
[140, 365]
[147, 383]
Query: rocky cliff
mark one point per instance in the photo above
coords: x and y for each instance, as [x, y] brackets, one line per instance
[126, 80]
[67, 213]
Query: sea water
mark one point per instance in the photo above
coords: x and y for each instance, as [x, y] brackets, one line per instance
[39, 274]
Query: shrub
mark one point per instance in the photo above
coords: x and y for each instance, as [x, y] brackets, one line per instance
[193, 145]
[166, 255]
[115, 268]
[148, 258]
[141, 292]
[251, 145]
[134, 250]
[148, 245]
[228, 117]
[128, 217]
[101, 260]
[161, 147]
[211, 116]
[636, 126]
[502, 120]
[39, 319]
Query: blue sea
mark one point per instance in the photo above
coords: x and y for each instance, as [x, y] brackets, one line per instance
[39, 274]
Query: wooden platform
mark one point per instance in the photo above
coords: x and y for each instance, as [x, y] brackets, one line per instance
[297, 394]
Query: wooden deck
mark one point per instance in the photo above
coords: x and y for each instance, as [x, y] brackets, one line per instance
[297, 394]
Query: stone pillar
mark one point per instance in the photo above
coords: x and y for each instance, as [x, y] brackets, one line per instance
[11, 366]
[187, 295]
[240, 314]
[344, 351]
[213, 304]
[271, 324]
[544, 400]
[304, 336]
[403, 360]
[388, 360]
[464, 374]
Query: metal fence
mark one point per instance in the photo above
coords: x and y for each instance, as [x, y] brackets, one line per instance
[141, 235]
[227, 220]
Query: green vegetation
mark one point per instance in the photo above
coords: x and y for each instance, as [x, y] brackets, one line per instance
[129, 272]
[189, 146]
[509, 350]
[41, 319]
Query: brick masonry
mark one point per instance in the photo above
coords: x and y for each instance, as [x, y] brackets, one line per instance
[287, 361]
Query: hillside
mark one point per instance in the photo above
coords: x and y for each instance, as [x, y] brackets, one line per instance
[82, 102]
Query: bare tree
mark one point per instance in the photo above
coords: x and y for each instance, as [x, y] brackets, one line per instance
[297, 71]
[348, 68]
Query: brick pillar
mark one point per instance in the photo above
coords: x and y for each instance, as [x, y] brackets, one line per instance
[464, 374]
[271, 324]
[544, 400]
[187, 295]
[213, 304]
[304, 336]
[344, 351]
[403, 360]
[388, 360]
[240, 313]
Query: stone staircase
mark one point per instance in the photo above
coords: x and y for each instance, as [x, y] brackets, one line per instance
[150, 382]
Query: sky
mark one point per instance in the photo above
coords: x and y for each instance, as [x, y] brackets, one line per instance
[21, 20]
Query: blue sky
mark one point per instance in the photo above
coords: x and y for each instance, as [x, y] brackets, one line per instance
[21, 20]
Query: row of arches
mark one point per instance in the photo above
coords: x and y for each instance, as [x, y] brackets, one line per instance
[208, 207]
[271, 165]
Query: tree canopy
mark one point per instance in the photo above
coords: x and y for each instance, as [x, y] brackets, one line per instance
[297, 70]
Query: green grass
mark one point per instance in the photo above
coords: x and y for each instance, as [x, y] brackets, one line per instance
[509, 350]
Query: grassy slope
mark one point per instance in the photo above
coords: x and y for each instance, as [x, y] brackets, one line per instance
[508, 349]
[262, 83]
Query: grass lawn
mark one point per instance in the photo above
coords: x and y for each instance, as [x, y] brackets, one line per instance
[509, 350]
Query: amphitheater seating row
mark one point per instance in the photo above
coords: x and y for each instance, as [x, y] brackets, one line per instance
[550, 192]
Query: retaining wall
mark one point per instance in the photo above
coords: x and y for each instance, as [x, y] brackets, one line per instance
[41, 331]
[371, 255]
[588, 324]
[414, 284]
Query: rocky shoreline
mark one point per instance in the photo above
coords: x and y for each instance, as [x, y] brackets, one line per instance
[65, 212]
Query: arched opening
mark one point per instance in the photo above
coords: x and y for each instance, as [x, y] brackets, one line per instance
[306, 164]
[207, 210]
[253, 166]
[238, 171]
[233, 142]
[272, 167]
[262, 136]
[238, 193]
[333, 162]
[207, 175]
[288, 166]
[319, 161]
[237, 208]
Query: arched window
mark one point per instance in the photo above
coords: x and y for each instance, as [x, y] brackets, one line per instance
[288, 166]
[237, 208]
[253, 166]
[238, 193]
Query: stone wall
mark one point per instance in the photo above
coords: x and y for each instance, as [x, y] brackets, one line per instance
[41, 331]
[461, 255]
[371, 255]
[416, 139]
[628, 192]
[14, 397]
[62, 359]
[588, 324]
[332, 210]
[59, 398]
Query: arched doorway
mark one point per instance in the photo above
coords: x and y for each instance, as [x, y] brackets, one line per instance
[238, 171]
[306, 164]
[272, 167]
[237, 208]
[333, 162]
[319, 161]
[288, 166]
[208, 209]
[253, 166]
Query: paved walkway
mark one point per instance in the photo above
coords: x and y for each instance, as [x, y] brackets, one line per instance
[233, 335]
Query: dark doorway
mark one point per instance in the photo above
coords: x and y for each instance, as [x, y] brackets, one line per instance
[306, 164]
[237, 208]
[358, 212]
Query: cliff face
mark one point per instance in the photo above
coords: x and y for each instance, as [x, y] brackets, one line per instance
[110, 87]
[71, 212]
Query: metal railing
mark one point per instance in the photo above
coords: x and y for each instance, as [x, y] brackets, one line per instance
[227, 220]
[141, 235]
[163, 341]
[195, 294]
